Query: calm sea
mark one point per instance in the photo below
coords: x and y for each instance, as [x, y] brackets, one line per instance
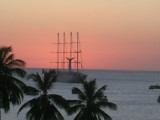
[128, 89]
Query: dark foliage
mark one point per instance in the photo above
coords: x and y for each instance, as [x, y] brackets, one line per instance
[90, 103]
[43, 107]
[11, 88]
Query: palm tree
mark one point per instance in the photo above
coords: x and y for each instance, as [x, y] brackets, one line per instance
[42, 107]
[90, 102]
[11, 88]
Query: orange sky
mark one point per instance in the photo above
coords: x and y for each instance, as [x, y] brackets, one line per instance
[114, 34]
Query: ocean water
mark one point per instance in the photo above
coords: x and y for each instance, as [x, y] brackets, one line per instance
[128, 89]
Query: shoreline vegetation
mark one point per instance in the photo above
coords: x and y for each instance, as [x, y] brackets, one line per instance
[12, 90]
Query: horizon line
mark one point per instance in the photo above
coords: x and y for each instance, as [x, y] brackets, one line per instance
[95, 69]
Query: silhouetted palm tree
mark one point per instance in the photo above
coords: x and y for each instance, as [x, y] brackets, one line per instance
[42, 107]
[90, 102]
[10, 86]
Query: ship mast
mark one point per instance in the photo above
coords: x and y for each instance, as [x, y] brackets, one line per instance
[63, 52]
[58, 52]
[64, 42]
[77, 50]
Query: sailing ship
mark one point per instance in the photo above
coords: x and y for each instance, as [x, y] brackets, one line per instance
[68, 54]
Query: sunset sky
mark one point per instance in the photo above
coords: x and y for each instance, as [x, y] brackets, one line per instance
[114, 34]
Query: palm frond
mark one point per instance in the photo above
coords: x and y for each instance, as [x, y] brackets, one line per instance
[59, 101]
[8, 59]
[14, 88]
[74, 102]
[30, 103]
[43, 112]
[18, 71]
[75, 108]
[100, 92]
[37, 79]
[89, 88]
[80, 94]
[34, 113]
[103, 114]
[18, 82]
[57, 113]
[79, 115]
[109, 105]
[4, 52]
[16, 63]
[5, 99]
[29, 90]
[49, 78]
[10, 94]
